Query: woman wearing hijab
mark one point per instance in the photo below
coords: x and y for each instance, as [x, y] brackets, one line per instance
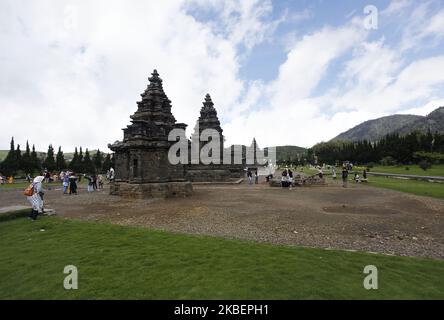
[36, 199]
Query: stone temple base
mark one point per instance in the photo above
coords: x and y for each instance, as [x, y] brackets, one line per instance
[151, 190]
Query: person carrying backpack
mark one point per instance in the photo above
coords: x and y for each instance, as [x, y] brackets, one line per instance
[35, 197]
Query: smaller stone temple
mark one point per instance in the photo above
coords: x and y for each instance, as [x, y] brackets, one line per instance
[214, 172]
[141, 158]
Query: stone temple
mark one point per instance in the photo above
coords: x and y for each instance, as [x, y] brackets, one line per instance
[199, 172]
[142, 167]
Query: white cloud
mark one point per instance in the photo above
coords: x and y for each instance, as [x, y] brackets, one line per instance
[73, 71]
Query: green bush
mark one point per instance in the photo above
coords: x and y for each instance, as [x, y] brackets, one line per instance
[424, 165]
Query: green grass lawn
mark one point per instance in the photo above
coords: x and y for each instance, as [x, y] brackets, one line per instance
[435, 170]
[421, 188]
[135, 263]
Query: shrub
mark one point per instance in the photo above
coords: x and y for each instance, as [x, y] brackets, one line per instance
[424, 165]
[388, 161]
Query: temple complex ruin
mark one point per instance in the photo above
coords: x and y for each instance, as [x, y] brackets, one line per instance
[142, 166]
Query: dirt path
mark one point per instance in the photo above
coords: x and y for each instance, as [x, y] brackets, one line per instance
[358, 218]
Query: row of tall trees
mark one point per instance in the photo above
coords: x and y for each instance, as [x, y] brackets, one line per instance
[393, 148]
[30, 162]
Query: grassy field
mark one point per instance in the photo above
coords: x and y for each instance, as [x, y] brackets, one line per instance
[435, 170]
[421, 188]
[134, 263]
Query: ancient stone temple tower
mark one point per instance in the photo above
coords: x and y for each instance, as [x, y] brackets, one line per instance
[208, 120]
[215, 172]
[141, 158]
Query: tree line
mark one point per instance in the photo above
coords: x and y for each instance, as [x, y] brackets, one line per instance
[29, 162]
[392, 149]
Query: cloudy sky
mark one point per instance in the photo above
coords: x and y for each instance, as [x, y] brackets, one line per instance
[285, 72]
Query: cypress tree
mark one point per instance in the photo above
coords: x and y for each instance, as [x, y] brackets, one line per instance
[88, 165]
[8, 165]
[73, 164]
[60, 160]
[49, 163]
[26, 160]
[35, 161]
[18, 159]
[98, 160]
[80, 167]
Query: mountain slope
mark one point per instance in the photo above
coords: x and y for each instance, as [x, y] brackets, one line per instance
[434, 121]
[373, 130]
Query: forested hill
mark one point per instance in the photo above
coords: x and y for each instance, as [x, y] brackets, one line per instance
[373, 130]
[433, 122]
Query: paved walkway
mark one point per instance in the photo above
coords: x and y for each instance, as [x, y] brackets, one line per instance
[407, 176]
[12, 208]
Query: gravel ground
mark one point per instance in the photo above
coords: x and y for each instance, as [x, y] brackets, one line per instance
[356, 218]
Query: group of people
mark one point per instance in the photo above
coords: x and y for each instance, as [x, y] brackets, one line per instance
[4, 180]
[346, 167]
[69, 181]
[250, 176]
[287, 178]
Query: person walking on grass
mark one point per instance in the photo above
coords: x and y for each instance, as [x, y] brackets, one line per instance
[36, 199]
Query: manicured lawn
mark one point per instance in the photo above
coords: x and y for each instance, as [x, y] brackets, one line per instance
[435, 170]
[421, 188]
[135, 263]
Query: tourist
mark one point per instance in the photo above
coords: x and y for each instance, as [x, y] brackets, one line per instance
[344, 176]
[284, 179]
[73, 183]
[321, 173]
[28, 178]
[65, 183]
[1, 179]
[36, 199]
[111, 174]
[90, 182]
[256, 177]
[94, 182]
[250, 176]
[290, 178]
[357, 177]
[333, 175]
[62, 176]
[11, 180]
[47, 177]
[100, 181]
